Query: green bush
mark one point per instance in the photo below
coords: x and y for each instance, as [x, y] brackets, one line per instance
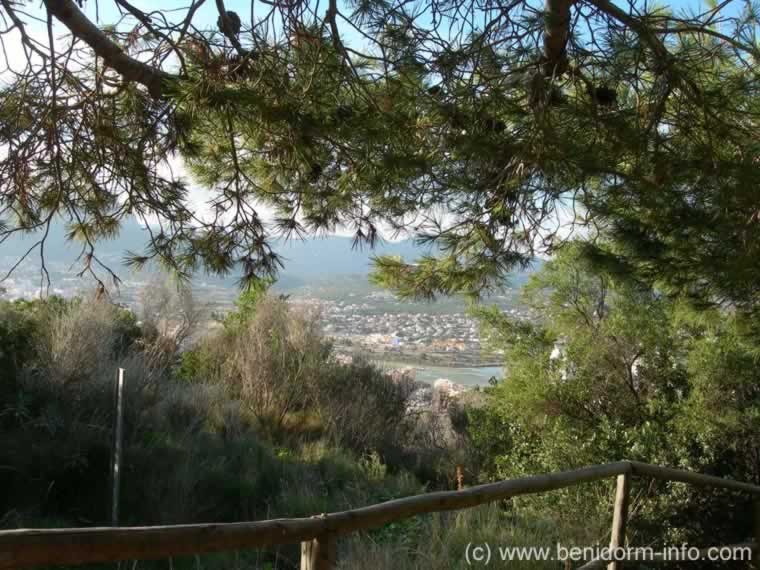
[440, 540]
[614, 370]
[361, 408]
[193, 451]
[202, 363]
[21, 326]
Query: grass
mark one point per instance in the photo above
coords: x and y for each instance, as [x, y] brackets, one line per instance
[441, 540]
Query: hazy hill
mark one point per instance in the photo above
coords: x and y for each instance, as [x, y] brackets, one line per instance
[312, 258]
[309, 262]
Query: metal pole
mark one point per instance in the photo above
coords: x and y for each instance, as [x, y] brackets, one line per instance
[116, 458]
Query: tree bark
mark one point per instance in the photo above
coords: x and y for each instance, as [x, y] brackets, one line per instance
[556, 34]
[69, 14]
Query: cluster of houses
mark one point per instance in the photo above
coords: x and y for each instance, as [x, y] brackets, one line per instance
[435, 397]
[362, 323]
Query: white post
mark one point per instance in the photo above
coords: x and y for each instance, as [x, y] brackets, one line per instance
[116, 456]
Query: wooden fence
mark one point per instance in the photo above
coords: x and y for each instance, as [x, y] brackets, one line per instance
[318, 535]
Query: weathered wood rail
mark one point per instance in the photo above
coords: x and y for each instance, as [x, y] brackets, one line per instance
[318, 535]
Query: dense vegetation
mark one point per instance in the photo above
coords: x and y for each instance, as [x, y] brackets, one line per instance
[492, 132]
[484, 129]
[259, 420]
[616, 370]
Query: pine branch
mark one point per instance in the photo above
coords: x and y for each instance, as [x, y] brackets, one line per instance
[556, 33]
[69, 14]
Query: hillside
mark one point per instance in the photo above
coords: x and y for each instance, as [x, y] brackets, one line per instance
[323, 262]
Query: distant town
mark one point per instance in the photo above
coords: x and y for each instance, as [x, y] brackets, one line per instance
[364, 324]
[437, 339]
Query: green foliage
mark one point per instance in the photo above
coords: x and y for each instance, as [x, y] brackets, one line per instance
[246, 303]
[680, 218]
[724, 405]
[641, 124]
[207, 360]
[275, 362]
[273, 358]
[376, 420]
[613, 370]
[259, 421]
[193, 452]
[18, 326]
[440, 540]
[204, 362]
[23, 323]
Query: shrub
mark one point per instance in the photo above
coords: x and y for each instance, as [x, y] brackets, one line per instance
[201, 450]
[207, 361]
[362, 408]
[16, 330]
[440, 540]
[79, 340]
[275, 360]
[19, 324]
[169, 316]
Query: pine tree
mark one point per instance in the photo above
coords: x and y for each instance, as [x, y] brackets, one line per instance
[488, 135]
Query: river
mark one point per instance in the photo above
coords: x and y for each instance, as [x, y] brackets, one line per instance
[470, 376]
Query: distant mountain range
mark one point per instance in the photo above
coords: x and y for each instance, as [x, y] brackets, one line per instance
[316, 259]
[333, 256]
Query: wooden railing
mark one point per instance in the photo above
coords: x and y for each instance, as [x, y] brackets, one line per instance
[318, 535]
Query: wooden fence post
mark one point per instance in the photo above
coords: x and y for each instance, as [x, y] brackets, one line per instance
[620, 517]
[320, 553]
